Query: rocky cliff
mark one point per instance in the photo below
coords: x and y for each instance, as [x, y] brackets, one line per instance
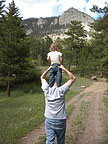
[55, 25]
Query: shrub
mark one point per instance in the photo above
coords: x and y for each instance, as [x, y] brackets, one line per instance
[34, 75]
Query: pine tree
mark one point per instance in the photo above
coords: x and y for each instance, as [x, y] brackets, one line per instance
[14, 48]
[1, 15]
[45, 49]
[100, 42]
[1, 7]
[1, 24]
[39, 49]
[74, 43]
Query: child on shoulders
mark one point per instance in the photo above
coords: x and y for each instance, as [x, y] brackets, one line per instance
[55, 59]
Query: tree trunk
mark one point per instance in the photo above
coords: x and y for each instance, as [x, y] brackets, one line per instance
[101, 74]
[8, 89]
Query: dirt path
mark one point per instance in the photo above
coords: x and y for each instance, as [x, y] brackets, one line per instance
[97, 117]
[95, 122]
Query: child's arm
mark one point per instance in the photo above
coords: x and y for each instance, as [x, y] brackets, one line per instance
[48, 58]
[61, 60]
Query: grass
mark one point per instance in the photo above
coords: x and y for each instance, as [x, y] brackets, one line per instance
[76, 87]
[42, 140]
[20, 115]
[105, 100]
[24, 110]
[106, 92]
[77, 124]
[69, 110]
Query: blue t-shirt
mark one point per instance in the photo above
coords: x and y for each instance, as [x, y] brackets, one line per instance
[55, 100]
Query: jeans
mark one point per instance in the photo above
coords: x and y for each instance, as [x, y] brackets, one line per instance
[55, 127]
[55, 71]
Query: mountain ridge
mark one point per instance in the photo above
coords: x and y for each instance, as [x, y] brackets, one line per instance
[56, 24]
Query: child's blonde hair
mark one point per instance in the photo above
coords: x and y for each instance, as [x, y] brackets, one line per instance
[54, 47]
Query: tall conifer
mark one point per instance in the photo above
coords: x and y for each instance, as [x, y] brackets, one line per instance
[14, 50]
[100, 42]
[74, 43]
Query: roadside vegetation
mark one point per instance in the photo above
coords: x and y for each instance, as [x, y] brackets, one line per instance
[77, 124]
[24, 110]
[105, 100]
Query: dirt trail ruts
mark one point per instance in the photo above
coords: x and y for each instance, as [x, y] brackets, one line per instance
[94, 132]
[97, 117]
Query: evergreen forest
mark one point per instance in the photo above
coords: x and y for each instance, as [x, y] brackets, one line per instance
[21, 54]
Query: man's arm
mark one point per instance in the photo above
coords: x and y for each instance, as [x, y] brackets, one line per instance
[45, 73]
[70, 75]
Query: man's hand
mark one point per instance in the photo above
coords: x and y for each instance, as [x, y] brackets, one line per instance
[45, 73]
[62, 67]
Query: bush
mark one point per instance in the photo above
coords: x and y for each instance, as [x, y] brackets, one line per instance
[34, 75]
[31, 88]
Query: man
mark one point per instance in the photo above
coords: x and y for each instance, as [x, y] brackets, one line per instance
[55, 123]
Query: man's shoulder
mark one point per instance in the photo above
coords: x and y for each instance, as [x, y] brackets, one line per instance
[64, 88]
[45, 85]
[64, 85]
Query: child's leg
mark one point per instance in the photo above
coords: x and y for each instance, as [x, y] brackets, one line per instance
[59, 77]
[52, 75]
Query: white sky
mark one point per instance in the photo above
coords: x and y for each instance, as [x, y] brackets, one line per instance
[48, 8]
